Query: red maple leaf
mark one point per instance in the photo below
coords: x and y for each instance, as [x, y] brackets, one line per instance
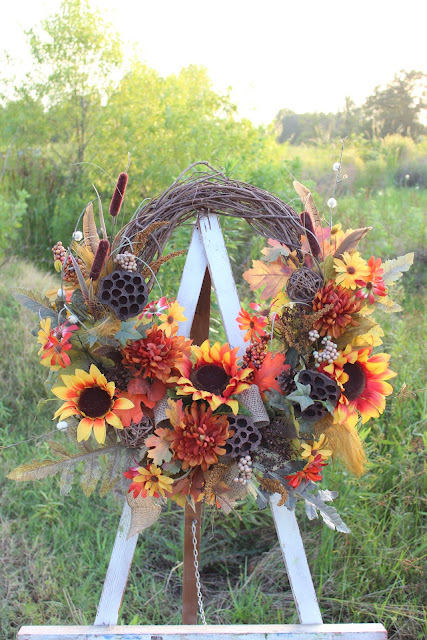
[265, 376]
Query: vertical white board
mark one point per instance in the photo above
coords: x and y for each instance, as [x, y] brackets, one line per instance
[297, 568]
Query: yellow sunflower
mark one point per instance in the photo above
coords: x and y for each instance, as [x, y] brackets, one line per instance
[362, 378]
[171, 318]
[349, 269]
[214, 377]
[90, 395]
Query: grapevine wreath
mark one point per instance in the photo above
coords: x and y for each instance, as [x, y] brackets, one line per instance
[147, 411]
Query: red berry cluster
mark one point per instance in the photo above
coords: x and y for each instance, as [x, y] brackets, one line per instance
[69, 274]
[255, 354]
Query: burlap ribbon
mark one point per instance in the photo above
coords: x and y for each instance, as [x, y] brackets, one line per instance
[160, 417]
[251, 399]
[144, 513]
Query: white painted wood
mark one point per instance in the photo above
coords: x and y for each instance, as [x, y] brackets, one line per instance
[222, 278]
[117, 573]
[191, 281]
[210, 632]
[296, 564]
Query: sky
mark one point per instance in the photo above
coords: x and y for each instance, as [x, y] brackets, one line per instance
[304, 55]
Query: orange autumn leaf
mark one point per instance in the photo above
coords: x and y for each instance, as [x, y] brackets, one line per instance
[271, 276]
[135, 414]
[150, 393]
[158, 447]
[265, 376]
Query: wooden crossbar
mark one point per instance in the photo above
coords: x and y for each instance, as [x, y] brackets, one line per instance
[210, 632]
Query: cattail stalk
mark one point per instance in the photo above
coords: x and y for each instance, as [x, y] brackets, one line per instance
[118, 195]
[99, 260]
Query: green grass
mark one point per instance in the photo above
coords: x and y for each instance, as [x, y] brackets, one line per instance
[55, 551]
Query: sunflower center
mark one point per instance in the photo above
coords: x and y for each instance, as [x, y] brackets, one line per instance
[94, 402]
[210, 377]
[351, 270]
[355, 384]
[153, 479]
[170, 320]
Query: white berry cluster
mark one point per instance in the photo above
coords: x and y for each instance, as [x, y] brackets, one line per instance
[313, 335]
[245, 470]
[328, 354]
[126, 261]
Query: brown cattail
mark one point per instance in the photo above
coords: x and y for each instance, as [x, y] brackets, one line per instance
[118, 195]
[307, 223]
[99, 260]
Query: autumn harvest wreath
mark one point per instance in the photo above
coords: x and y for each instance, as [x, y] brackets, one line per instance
[147, 411]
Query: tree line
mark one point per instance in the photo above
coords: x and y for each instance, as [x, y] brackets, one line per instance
[396, 109]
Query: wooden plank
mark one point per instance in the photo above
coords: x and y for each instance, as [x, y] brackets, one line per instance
[209, 632]
[296, 564]
[191, 281]
[123, 550]
[199, 333]
[222, 278]
[117, 573]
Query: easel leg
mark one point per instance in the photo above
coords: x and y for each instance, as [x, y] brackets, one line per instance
[189, 589]
[118, 572]
[296, 564]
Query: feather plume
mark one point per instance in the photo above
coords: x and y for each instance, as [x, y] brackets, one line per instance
[90, 233]
[80, 277]
[351, 241]
[344, 442]
[85, 254]
[308, 202]
[107, 327]
[101, 215]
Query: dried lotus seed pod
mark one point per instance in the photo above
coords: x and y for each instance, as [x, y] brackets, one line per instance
[246, 436]
[323, 389]
[124, 292]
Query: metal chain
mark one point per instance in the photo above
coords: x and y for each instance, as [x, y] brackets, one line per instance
[196, 572]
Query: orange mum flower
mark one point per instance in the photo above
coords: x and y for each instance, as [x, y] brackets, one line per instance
[362, 379]
[90, 395]
[339, 316]
[214, 377]
[253, 325]
[198, 435]
[155, 356]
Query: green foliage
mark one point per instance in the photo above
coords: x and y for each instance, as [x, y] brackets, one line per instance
[12, 210]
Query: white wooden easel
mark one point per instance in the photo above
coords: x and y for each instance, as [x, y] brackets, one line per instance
[207, 251]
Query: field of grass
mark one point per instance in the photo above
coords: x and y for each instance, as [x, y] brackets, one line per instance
[54, 551]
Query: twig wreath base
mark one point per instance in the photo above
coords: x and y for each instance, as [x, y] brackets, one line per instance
[210, 191]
